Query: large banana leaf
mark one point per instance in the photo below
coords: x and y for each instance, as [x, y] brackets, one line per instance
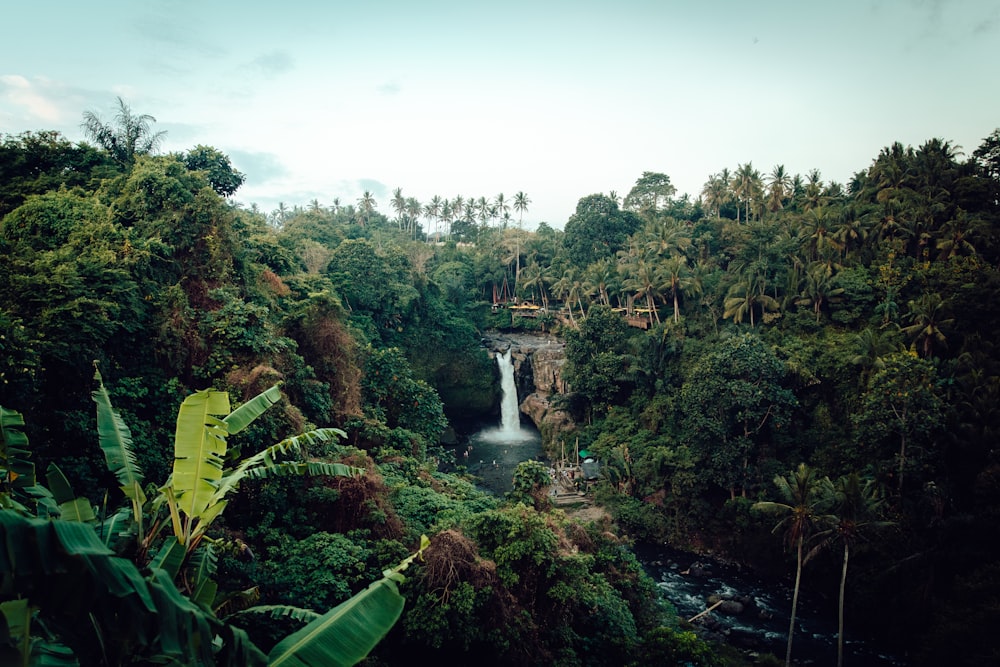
[71, 508]
[199, 450]
[267, 459]
[347, 633]
[79, 586]
[17, 470]
[244, 415]
[116, 442]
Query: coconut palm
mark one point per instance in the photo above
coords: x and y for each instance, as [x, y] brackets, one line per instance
[367, 204]
[398, 204]
[432, 210]
[413, 211]
[748, 188]
[927, 317]
[643, 279]
[874, 346]
[858, 505]
[744, 296]
[819, 288]
[600, 277]
[126, 137]
[678, 278]
[804, 499]
[779, 188]
[502, 207]
[521, 203]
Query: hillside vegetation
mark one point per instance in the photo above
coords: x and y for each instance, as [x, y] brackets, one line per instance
[774, 331]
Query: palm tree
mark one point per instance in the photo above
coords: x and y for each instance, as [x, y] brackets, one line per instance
[779, 188]
[521, 203]
[744, 295]
[678, 280]
[858, 504]
[927, 317]
[536, 276]
[433, 211]
[398, 205]
[502, 207]
[804, 498]
[599, 277]
[447, 214]
[813, 193]
[748, 187]
[874, 346]
[643, 279]
[413, 211]
[819, 288]
[126, 137]
[666, 238]
[367, 205]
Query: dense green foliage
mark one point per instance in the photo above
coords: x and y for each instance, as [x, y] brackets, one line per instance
[712, 346]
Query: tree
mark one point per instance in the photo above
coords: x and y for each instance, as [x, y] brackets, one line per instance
[858, 504]
[779, 187]
[597, 229]
[927, 318]
[596, 359]
[126, 137]
[748, 188]
[819, 288]
[398, 205]
[717, 191]
[730, 402]
[804, 498]
[902, 404]
[218, 169]
[367, 204]
[57, 569]
[651, 193]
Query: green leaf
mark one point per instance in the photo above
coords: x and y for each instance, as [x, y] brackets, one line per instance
[199, 450]
[170, 556]
[71, 508]
[266, 458]
[78, 509]
[15, 467]
[115, 440]
[345, 634]
[244, 415]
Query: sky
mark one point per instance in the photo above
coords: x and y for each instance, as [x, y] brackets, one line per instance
[556, 99]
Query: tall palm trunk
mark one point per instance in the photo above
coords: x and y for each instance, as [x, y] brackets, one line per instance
[840, 610]
[795, 604]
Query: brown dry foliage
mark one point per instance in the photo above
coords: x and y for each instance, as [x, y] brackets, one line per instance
[358, 500]
[274, 283]
[333, 354]
[452, 558]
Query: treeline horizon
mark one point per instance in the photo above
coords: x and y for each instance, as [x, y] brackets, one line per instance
[849, 328]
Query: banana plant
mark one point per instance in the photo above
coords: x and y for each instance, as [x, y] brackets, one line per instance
[198, 489]
[57, 571]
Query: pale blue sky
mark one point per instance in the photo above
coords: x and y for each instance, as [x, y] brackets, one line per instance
[558, 99]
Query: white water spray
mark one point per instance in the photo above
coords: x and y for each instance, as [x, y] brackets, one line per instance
[510, 414]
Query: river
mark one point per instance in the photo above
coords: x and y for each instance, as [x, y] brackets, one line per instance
[686, 579]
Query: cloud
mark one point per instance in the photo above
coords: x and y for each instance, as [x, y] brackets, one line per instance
[377, 188]
[389, 88]
[260, 168]
[273, 63]
[35, 98]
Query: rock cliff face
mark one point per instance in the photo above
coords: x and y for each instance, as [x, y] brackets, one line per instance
[538, 361]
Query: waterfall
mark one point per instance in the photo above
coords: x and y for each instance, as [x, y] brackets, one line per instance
[510, 414]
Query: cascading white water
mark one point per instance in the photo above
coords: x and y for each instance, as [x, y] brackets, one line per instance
[510, 414]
